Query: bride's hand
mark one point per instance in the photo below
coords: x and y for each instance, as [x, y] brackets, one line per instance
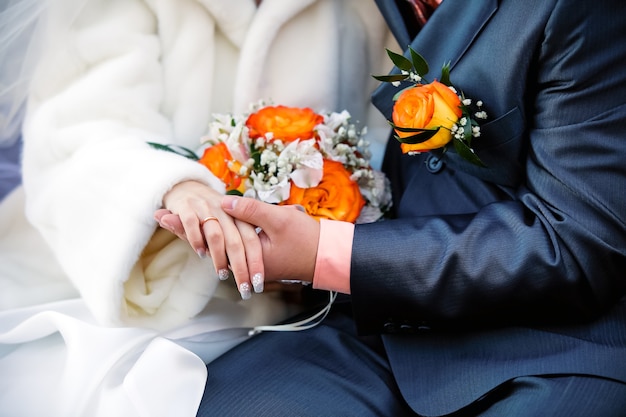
[192, 211]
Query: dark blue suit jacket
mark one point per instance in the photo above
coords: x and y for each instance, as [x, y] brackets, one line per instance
[519, 268]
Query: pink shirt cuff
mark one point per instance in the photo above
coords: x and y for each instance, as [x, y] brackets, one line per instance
[334, 253]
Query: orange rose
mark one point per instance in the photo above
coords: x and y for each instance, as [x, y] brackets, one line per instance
[220, 162]
[285, 123]
[336, 197]
[427, 106]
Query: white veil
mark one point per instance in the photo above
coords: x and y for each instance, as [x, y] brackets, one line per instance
[21, 34]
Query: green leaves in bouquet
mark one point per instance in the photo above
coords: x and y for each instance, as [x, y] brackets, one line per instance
[255, 154]
[179, 150]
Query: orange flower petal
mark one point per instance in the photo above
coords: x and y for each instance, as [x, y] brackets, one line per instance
[427, 106]
[218, 160]
[285, 123]
[336, 197]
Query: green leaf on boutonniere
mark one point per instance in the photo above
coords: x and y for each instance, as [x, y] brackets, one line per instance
[179, 150]
[419, 63]
[390, 78]
[421, 135]
[466, 153]
[234, 192]
[395, 96]
[400, 61]
[445, 75]
[467, 134]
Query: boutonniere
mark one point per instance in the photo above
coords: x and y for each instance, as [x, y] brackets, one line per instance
[290, 155]
[430, 115]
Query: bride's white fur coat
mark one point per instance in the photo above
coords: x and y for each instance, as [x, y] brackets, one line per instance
[131, 71]
[85, 260]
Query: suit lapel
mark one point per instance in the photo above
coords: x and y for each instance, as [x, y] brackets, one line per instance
[451, 30]
[448, 34]
[395, 21]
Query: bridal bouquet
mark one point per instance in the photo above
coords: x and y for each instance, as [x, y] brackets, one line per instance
[288, 155]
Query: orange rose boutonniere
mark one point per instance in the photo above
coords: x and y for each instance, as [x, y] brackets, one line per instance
[426, 106]
[428, 116]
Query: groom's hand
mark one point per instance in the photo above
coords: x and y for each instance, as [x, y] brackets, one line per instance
[289, 237]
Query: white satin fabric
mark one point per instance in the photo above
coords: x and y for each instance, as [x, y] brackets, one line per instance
[56, 360]
[61, 363]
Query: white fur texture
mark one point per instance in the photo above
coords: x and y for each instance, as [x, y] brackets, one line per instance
[132, 71]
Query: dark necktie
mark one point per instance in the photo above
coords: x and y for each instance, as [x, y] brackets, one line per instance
[423, 9]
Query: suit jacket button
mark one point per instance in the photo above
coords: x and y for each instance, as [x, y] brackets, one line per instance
[390, 327]
[407, 328]
[434, 164]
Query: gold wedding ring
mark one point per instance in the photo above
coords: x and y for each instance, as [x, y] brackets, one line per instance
[206, 219]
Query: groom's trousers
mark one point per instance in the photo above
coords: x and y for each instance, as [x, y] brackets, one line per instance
[330, 371]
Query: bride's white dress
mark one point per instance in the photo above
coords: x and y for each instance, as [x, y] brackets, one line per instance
[56, 359]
